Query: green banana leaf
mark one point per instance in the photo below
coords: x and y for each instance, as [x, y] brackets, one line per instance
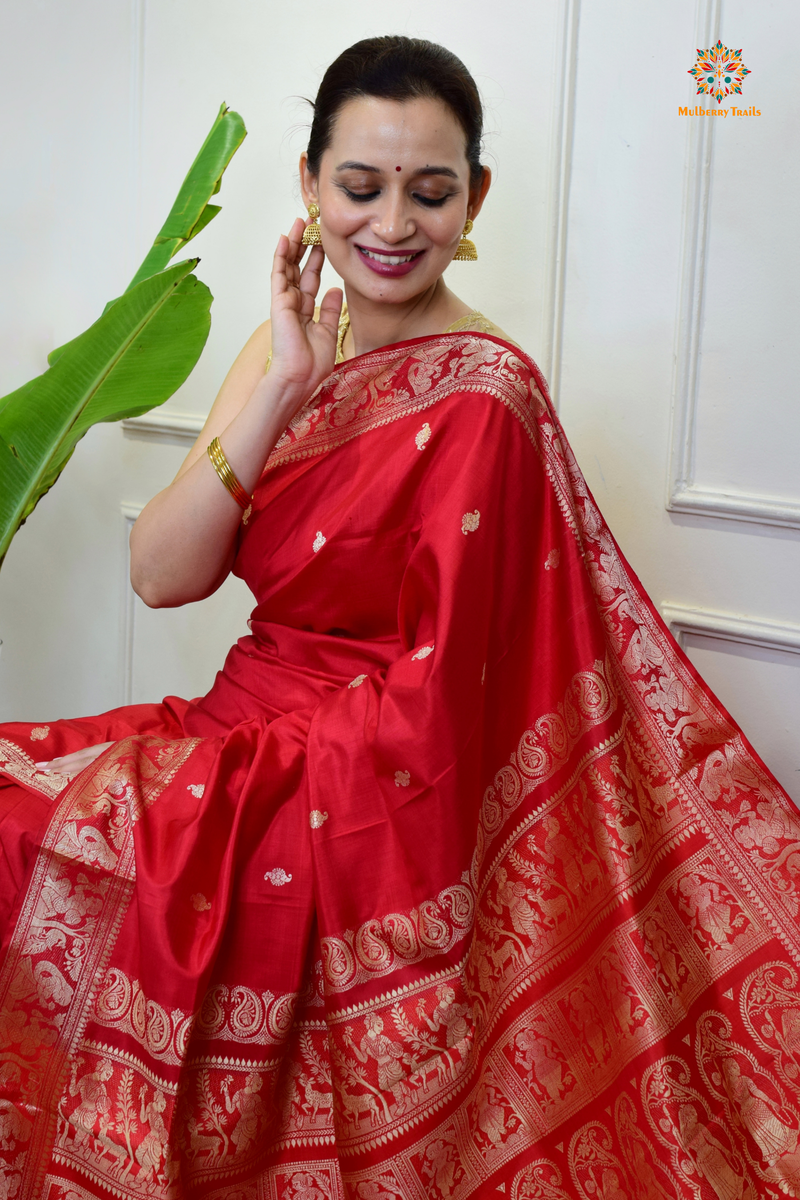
[191, 211]
[132, 359]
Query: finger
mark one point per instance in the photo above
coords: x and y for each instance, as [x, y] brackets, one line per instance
[297, 249]
[280, 265]
[330, 310]
[310, 275]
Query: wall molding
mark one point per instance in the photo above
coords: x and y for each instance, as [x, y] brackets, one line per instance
[165, 426]
[769, 635]
[137, 36]
[560, 170]
[684, 494]
[128, 616]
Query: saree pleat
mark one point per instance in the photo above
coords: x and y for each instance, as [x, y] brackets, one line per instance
[459, 882]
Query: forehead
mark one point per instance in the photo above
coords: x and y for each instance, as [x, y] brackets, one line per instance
[384, 133]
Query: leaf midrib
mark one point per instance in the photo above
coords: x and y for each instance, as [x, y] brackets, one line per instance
[91, 389]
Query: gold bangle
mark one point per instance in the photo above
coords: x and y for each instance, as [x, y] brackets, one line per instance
[225, 472]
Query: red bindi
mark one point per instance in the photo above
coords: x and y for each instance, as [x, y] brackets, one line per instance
[397, 168]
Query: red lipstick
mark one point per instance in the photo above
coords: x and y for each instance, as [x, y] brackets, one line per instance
[393, 263]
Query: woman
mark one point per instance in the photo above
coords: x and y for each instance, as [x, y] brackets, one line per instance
[457, 850]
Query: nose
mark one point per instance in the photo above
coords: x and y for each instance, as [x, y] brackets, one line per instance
[394, 223]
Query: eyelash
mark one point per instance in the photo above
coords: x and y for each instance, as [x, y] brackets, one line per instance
[364, 198]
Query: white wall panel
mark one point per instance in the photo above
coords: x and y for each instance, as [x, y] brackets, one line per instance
[735, 416]
[65, 217]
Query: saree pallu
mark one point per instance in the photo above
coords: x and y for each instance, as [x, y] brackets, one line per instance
[459, 882]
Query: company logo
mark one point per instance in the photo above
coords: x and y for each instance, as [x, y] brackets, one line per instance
[719, 72]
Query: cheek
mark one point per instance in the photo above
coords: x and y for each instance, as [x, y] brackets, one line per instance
[341, 220]
[445, 232]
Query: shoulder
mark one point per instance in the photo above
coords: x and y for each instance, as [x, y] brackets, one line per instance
[476, 322]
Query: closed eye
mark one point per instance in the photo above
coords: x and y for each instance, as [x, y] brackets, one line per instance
[432, 201]
[366, 197]
[359, 197]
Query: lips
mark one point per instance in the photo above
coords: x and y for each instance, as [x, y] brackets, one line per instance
[389, 262]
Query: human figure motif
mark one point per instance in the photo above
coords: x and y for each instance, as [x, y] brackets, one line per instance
[761, 1117]
[640, 1157]
[440, 1166]
[663, 951]
[513, 895]
[491, 1114]
[714, 914]
[95, 1104]
[558, 846]
[588, 1024]
[615, 987]
[447, 1015]
[645, 1182]
[766, 829]
[710, 1157]
[790, 1032]
[14, 1125]
[305, 1186]
[153, 1147]
[611, 1186]
[251, 1107]
[388, 1056]
[532, 1052]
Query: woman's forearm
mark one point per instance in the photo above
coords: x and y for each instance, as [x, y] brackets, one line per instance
[183, 544]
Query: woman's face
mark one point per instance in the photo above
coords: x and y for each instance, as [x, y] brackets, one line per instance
[394, 194]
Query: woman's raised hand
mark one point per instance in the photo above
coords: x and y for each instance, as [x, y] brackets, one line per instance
[303, 350]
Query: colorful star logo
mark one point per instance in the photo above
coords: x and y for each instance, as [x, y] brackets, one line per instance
[719, 72]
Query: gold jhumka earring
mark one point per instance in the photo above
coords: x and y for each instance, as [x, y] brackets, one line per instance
[312, 234]
[466, 251]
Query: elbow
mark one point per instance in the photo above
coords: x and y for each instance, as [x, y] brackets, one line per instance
[149, 591]
[157, 590]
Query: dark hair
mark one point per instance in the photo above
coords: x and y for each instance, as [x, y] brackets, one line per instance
[397, 68]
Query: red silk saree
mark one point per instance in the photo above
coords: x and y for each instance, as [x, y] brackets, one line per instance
[458, 883]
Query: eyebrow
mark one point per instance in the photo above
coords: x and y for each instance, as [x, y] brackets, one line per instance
[359, 166]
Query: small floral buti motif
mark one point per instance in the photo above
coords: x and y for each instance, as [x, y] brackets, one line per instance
[200, 903]
[277, 876]
[357, 682]
[470, 522]
[197, 790]
[317, 819]
[423, 436]
[319, 541]
[402, 778]
[553, 560]
[423, 652]
[39, 732]
[247, 514]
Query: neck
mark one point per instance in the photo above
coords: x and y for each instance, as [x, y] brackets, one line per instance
[374, 325]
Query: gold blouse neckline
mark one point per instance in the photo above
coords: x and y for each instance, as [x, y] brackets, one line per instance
[472, 320]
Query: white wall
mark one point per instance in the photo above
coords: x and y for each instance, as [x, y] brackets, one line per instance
[584, 257]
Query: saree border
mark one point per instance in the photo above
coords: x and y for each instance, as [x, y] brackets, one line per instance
[76, 901]
[18, 765]
[357, 409]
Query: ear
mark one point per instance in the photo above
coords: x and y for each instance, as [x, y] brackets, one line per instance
[477, 194]
[308, 182]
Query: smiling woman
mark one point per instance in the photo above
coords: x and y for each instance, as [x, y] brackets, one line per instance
[395, 223]
[458, 857]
